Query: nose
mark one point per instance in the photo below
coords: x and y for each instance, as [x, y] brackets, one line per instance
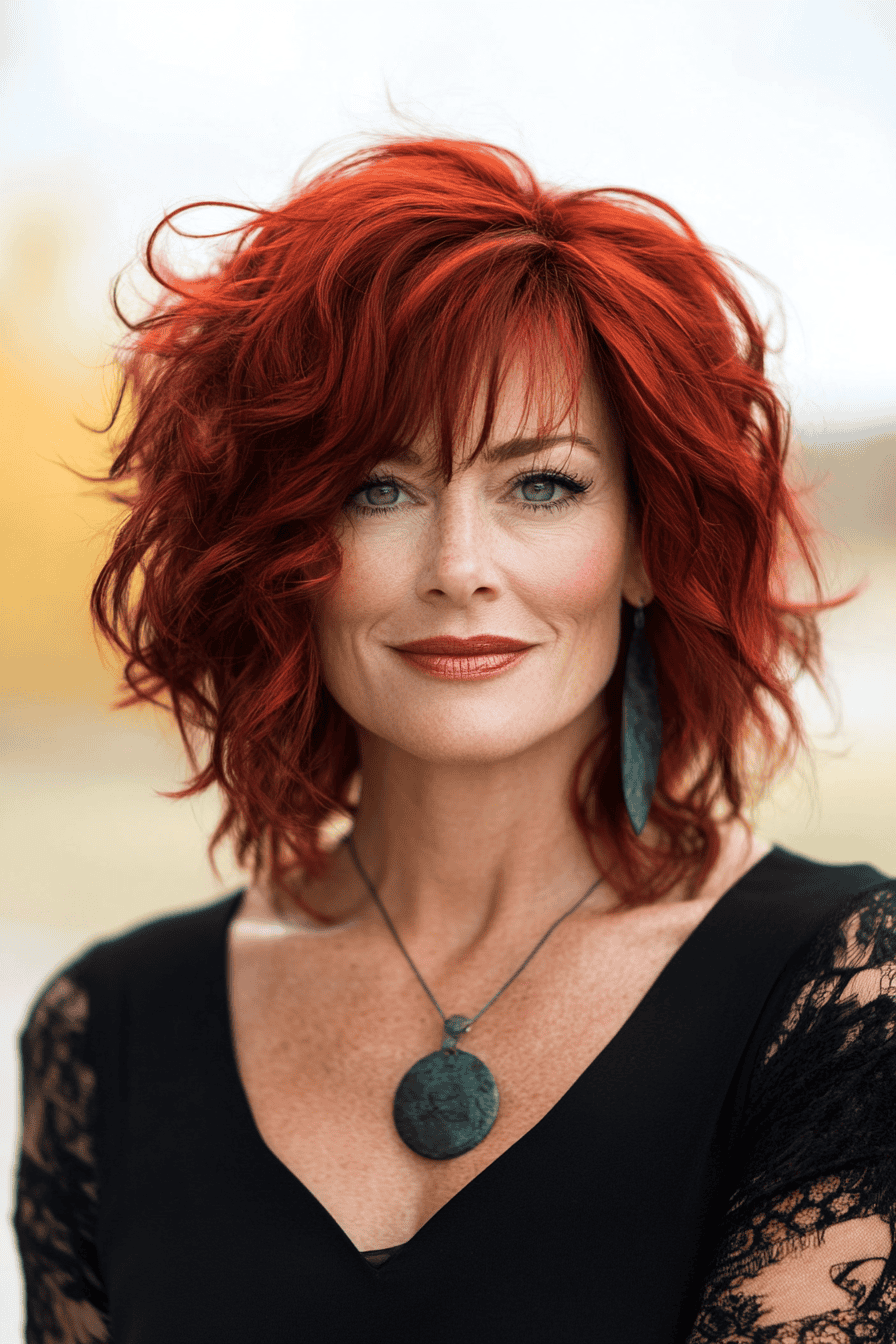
[457, 555]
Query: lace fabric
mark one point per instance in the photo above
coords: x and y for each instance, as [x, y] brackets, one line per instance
[377, 1258]
[56, 1208]
[805, 1250]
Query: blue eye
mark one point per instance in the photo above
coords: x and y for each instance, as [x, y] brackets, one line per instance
[380, 495]
[376, 493]
[542, 489]
[374, 496]
[544, 485]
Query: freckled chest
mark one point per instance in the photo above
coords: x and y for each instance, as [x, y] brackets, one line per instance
[324, 1032]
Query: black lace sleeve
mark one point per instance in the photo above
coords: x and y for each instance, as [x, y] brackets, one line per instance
[806, 1252]
[55, 1216]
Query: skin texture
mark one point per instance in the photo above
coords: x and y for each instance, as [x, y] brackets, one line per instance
[463, 826]
[463, 817]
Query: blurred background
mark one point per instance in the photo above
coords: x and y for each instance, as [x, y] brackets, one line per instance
[770, 126]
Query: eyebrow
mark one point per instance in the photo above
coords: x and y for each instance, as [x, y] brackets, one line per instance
[504, 452]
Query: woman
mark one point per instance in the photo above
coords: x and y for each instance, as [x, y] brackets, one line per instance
[460, 509]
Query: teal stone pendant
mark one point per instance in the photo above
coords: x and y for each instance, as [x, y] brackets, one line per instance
[447, 1102]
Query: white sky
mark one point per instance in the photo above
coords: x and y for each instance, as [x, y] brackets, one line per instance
[770, 125]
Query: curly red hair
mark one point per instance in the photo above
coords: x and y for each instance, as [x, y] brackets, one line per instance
[342, 322]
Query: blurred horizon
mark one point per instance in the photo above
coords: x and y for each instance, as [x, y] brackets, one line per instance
[58, 680]
[63, 741]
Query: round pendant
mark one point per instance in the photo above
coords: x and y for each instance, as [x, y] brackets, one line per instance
[447, 1102]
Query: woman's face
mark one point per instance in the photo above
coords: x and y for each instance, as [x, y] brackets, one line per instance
[527, 543]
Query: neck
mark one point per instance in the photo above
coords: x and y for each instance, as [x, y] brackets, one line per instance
[459, 851]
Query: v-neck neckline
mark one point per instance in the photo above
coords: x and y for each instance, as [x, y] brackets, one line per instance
[687, 950]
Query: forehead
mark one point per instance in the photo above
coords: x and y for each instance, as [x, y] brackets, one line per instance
[537, 404]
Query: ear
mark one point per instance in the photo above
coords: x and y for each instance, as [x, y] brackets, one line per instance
[637, 589]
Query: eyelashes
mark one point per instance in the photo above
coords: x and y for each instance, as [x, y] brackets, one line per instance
[575, 485]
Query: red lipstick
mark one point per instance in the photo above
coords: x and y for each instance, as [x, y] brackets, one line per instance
[471, 659]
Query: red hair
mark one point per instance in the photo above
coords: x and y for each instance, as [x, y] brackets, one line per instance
[344, 321]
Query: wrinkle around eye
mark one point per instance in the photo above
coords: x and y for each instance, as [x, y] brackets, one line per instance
[573, 484]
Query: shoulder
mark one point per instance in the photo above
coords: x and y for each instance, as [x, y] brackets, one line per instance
[827, 1037]
[845, 971]
[840, 921]
[151, 951]
[853, 931]
[790, 901]
[161, 942]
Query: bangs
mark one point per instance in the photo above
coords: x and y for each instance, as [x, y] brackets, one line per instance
[455, 336]
[387, 305]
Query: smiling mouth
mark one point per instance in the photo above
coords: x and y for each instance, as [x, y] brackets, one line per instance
[453, 647]
[468, 666]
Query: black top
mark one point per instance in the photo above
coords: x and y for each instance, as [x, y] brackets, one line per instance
[724, 1170]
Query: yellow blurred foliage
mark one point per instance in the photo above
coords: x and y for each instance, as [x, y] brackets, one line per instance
[90, 844]
[55, 529]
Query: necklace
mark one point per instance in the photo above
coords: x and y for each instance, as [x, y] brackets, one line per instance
[447, 1102]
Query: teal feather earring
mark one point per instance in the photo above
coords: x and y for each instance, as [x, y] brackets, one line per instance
[642, 726]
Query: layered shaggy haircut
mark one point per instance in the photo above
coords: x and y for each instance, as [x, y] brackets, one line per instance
[368, 307]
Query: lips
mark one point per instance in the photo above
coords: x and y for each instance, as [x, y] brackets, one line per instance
[448, 646]
[477, 658]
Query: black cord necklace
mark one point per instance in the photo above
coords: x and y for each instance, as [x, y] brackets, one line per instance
[447, 1102]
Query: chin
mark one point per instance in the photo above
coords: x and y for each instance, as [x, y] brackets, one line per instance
[476, 742]
[471, 752]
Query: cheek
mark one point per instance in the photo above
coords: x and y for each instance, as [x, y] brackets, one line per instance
[578, 590]
[366, 590]
[354, 591]
[580, 583]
